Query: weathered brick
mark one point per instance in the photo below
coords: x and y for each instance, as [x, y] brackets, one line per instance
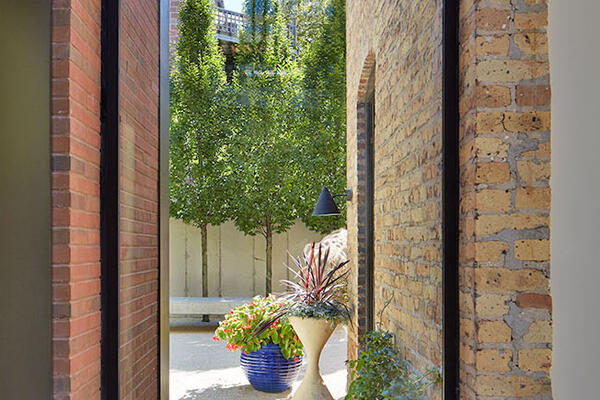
[491, 251]
[530, 197]
[504, 108]
[532, 250]
[493, 19]
[489, 147]
[534, 121]
[493, 332]
[408, 210]
[533, 20]
[532, 42]
[511, 70]
[539, 332]
[490, 122]
[507, 280]
[492, 304]
[493, 200]
[532, 171]
[510, 386]
[490, 224]
[534, 300]
[543, 151]
[535, 359]
[492, 172]
[493, 360]
[533, 95]
[493, 96]
[492, 45]
[499, 202]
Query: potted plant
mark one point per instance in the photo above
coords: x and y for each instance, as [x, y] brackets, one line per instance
[271, 360]
[314, 306]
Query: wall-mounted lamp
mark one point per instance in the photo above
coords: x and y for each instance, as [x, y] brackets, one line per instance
[326, 205]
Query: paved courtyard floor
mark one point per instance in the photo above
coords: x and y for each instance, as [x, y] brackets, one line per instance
[202, 369]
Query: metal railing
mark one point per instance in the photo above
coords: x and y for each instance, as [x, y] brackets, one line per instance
[229, 23]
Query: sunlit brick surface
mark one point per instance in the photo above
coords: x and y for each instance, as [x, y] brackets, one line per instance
[139, 52]
[402, 44]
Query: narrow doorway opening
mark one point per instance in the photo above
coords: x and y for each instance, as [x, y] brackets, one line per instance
[370, 208]
[256, 130]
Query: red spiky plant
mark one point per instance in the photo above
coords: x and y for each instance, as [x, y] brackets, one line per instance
[318, 293]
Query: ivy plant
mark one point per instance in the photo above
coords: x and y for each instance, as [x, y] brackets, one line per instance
[380, 373]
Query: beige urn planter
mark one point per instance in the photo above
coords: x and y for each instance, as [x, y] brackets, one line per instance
[313, 333]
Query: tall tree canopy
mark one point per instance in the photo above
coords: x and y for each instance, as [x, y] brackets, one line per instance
[265, 158]
[323, 127]
[257, 150]
[199, 125]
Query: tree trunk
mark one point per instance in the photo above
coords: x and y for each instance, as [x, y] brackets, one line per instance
[204, 234]
[269, 261]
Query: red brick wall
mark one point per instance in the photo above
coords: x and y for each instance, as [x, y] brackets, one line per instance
[139, 52]
[75, 198]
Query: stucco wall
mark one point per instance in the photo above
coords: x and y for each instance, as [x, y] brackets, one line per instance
[236, 266]
[575, 243]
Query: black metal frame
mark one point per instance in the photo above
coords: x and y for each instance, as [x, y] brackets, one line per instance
[109, 199]
[450, 200]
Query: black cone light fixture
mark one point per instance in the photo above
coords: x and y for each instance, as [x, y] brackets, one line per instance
[326, 204]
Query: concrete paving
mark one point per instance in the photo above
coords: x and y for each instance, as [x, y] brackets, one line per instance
[202, 369]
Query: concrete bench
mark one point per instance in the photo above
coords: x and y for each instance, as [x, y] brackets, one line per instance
[192, 306]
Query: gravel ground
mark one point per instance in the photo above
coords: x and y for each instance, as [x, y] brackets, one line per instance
[202, 369]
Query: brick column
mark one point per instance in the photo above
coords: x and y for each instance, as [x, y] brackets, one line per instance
[506, 313]
[75, 198]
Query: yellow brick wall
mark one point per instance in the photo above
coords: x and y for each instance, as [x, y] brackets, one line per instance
[401, 41]
[506, 310]
[505, 304]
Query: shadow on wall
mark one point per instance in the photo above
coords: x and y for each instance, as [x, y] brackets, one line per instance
[236, 262]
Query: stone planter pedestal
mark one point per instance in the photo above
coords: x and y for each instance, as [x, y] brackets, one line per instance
[313, 333]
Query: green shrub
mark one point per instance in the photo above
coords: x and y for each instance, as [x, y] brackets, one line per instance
[381, 374]
[239, 325]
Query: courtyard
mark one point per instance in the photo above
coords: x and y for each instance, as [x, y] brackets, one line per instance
[202, 369]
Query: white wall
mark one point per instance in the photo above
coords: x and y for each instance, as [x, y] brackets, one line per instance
[574, 30]
[236, 263]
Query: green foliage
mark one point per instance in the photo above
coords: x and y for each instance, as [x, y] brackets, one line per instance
[333, 312]
[265, 152]
[239, 326]
[381, 374]
[199, 136]
[259, 149]
[324, 102]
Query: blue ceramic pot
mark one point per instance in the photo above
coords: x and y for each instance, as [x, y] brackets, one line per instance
[268, 371]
